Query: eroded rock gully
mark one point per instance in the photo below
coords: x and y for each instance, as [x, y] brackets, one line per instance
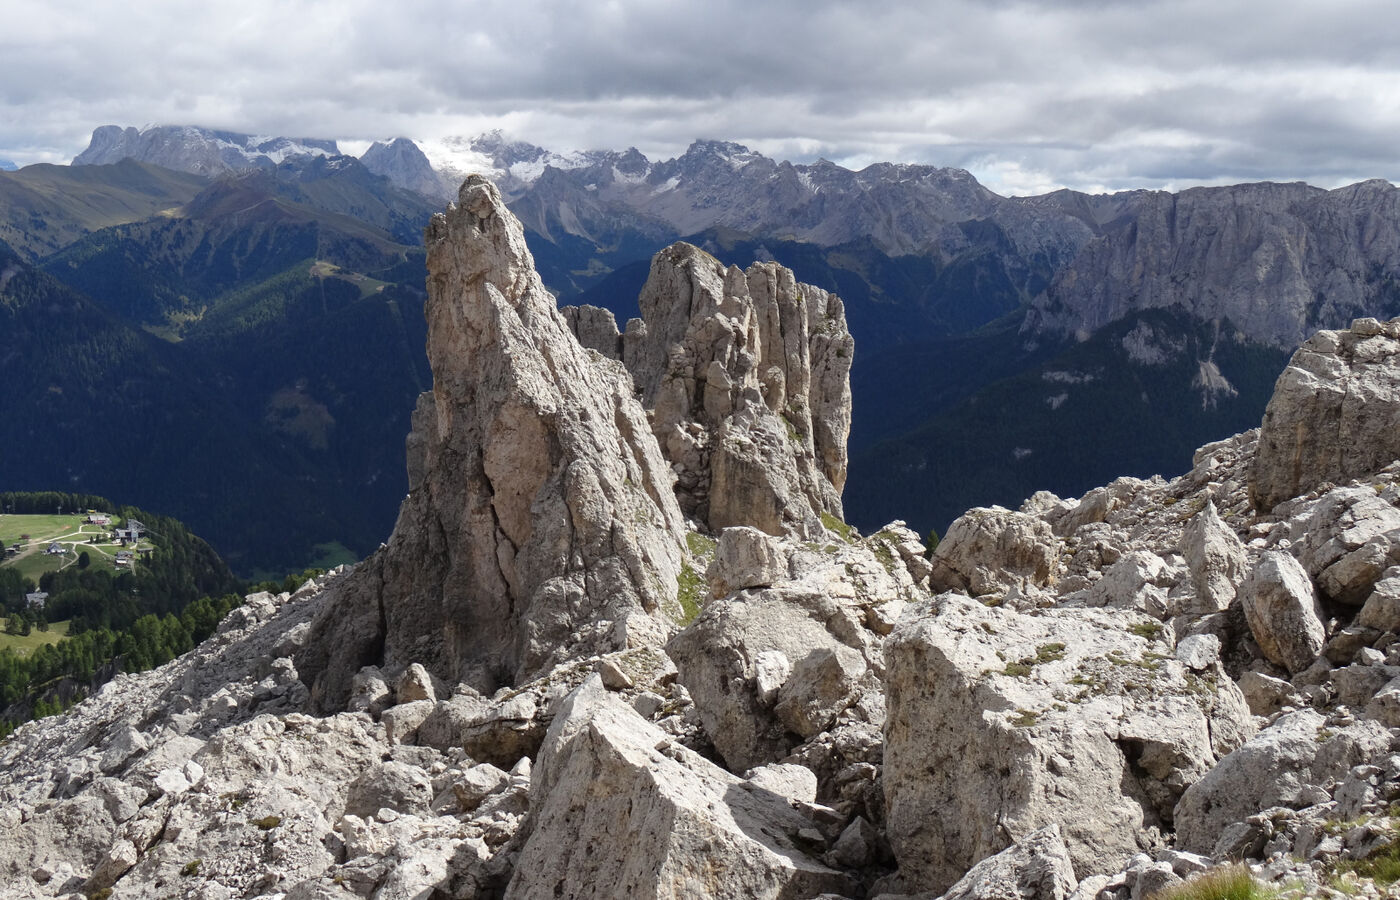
[573, 671]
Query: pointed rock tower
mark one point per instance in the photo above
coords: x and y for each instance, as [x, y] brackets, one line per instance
[541, 522]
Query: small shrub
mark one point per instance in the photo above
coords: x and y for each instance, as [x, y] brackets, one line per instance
[191, 867]
[267, 823]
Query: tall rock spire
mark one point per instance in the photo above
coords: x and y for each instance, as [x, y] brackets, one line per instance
[541, 523]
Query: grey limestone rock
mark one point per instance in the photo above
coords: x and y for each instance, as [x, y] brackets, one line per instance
[1216, 558]
[628, 812]
[747, 375]
[1282, 610]
[1334, 414]
[1007, 722]
[544, 527]
[1275, 768]
[987, 551]
[1036, 867]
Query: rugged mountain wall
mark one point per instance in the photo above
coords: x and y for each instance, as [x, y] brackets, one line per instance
[541, 520]
[1277, 260]
[199, 151]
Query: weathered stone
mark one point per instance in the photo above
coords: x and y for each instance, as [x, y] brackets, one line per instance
[789, 780]
[545, 527]
[978, 730]
[1282, 610]
[1345, 539]
[415, 684]
[1334, 415]
[988, 551]
[1036, 867]
[1216, 559]
[1272, 769]
[625, 812]
[1381, 610]
[390, 785]
[478, 783]
[1265, 694]
[747, 374]
[745, 558]
[738, 658]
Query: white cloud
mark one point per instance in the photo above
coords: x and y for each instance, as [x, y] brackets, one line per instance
[1092, 94]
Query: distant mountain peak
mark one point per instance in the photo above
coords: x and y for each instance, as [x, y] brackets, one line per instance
[201, 151]
[8, 166]
[403, 163]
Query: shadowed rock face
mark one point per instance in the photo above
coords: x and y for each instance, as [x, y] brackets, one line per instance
[542, 523]
[747, 376]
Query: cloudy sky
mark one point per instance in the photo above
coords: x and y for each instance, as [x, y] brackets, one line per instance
[1030, 96]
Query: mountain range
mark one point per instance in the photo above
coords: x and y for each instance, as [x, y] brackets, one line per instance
[283, 280]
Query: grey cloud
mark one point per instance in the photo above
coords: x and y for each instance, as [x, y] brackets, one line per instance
[1082, 93]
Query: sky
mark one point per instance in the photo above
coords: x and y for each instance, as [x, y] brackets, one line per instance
[1093, 95]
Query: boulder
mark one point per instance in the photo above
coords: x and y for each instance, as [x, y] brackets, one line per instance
[624, 811]
[1216, 559]
[1345, 539]
[1381, 610]
[1036, 867]
[1000, 723]
[1277, 767]
[1334, 415]
[745, 558]
[1282, 610]
[769, 667]
[988, 551]
[392, 785]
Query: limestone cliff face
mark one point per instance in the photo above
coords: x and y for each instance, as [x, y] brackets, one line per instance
[1277, 260]
[542, 522]
[747, 376]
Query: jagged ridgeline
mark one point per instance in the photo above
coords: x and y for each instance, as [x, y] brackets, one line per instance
[98, 619]
[621, 644]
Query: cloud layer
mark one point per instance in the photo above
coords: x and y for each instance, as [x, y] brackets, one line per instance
[1090, 94]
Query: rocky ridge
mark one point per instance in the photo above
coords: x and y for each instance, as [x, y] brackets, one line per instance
[534, 691]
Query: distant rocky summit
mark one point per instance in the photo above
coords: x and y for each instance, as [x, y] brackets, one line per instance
[621, 644]
[199, 151]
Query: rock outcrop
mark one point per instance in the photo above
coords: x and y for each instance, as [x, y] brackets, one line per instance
[543, 525]
[747, 377]
[1334, 414]
[1007, 723]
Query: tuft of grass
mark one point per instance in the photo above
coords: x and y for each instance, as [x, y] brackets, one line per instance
[845, 532]
[690, 588]
[191, 867]
[1382, 866]
[267, 823]
[1225, 883]
[700, 545]
[1016, 669]
[1025, 718]
[1148, 630]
